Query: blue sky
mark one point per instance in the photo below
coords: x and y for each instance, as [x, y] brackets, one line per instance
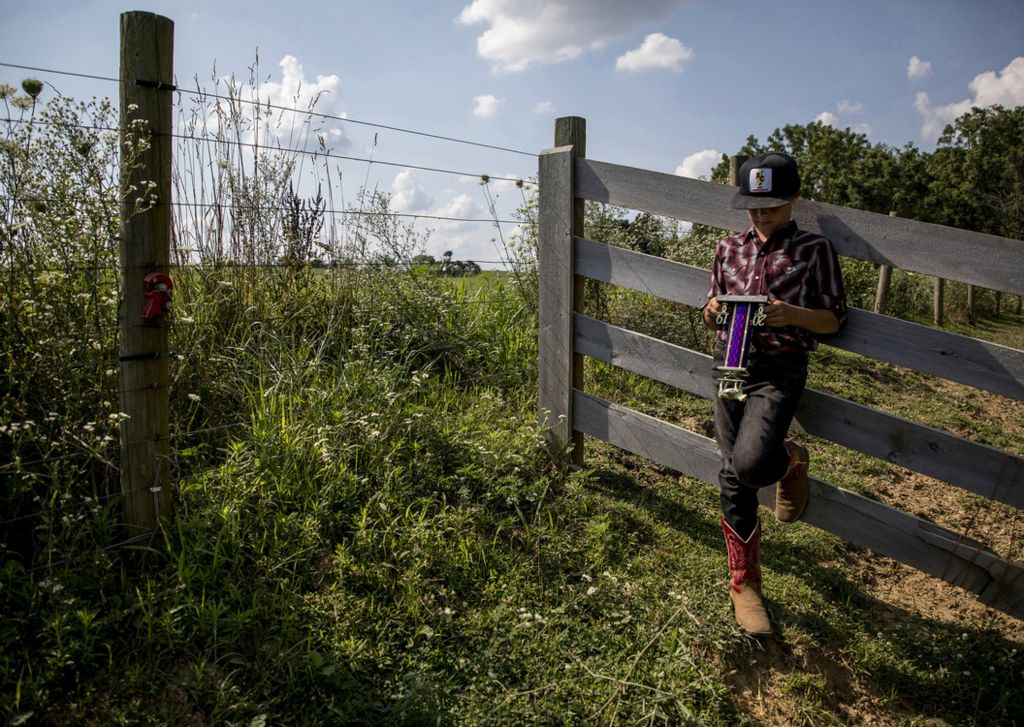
[664, 84]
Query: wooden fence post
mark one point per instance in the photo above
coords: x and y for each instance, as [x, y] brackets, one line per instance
[938, 302]
[572, 131]
[970, 304]
[735, 162]
[884, 278]
[146, 83]
[561, 290]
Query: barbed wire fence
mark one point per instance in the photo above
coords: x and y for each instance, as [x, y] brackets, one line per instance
[243, 230]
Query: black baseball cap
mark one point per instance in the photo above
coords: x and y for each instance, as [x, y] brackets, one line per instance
[768, 180]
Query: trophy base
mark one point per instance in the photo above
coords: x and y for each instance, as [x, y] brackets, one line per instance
[730, 386]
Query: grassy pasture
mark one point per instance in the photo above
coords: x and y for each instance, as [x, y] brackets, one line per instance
[381, 537]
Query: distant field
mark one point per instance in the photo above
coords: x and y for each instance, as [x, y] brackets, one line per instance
[482, 282]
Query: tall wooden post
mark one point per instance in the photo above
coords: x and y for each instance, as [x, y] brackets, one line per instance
[572, 131]
[884, 278]
[882, 293]
[937, 303]
[561, 290]
[735, 162]
[970, 304]
[147, 78]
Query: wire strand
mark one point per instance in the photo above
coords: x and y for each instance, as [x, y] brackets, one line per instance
[349, 120]
[282, 208]
[310, 112]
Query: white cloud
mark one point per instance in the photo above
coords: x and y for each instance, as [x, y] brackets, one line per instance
[828, 118]
[845, 107]
[293, 91]
[408, 194]
[918, 69]
[460, 206]
[466, 240]
[523, 33]
[935, 118]
[1005, 88]
[849, 107]
[486, 106]
[544, 107]
[657, 52]
[700, 164]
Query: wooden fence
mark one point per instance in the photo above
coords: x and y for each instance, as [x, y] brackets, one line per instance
[567, 179]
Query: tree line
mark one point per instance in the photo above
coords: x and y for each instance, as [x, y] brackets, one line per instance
[973, 180]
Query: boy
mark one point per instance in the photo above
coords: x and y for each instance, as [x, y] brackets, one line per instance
[800, 274]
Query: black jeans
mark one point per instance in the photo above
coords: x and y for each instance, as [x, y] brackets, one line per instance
[751, 434]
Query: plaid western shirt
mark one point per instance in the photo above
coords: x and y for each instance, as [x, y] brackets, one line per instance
[792, 266]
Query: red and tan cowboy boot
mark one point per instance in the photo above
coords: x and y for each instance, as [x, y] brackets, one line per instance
[791, 494]
[745, 580]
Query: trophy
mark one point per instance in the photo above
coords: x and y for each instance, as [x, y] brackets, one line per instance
[739, 315]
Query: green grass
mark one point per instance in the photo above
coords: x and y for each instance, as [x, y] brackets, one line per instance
[486, 282]
[387, 540]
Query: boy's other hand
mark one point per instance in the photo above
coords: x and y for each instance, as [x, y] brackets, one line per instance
[816, 320]
[779, 313]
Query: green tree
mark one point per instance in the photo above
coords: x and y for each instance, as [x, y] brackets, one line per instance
[643, 232]
[977, 172]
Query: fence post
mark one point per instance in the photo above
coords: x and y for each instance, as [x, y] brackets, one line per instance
[970, 304]
[560, 219]
[937, 302]
[884, 278]
[735, 162]
[146, 83]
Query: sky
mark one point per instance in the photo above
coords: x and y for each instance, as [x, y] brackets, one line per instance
[667, 85]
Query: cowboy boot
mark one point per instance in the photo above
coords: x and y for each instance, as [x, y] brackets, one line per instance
[745, 580]
[791, 494]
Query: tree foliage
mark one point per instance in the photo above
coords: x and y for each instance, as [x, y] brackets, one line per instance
[974, 179]
[977, 172]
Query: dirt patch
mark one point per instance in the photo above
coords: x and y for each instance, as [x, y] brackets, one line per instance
[798, 685]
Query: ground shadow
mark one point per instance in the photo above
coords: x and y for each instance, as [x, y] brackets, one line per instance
[879, 657]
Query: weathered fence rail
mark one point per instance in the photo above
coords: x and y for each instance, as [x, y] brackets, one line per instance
[565, 335]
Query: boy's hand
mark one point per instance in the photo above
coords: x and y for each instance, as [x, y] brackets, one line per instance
[711, 311]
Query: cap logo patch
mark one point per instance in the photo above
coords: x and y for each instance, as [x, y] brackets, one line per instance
[761, 180]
